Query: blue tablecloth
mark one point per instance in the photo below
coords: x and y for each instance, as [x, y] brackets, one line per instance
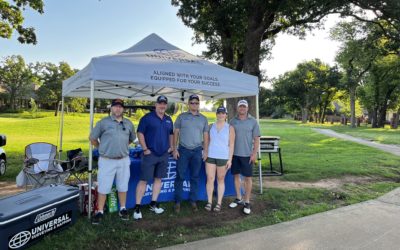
[167, 188]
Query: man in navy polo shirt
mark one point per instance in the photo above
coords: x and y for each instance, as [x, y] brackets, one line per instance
[155, 134]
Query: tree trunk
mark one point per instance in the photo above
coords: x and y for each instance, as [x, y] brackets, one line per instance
[251, 55]
[374, 118]
[304, 115]
[56, 109]
[395, 120]
[352, 92]
[382, 116]
[13, 105]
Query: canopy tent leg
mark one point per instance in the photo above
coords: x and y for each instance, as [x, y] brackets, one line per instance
[91, 147]
[61, 128]
[259, 149]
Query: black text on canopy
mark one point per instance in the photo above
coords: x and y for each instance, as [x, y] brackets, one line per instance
[154, 67]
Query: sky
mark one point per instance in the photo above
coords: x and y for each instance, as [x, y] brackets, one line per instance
[74, 31]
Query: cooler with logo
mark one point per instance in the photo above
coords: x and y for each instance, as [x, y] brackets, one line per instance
[28, 216]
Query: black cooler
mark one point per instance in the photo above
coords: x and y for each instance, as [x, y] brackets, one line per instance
[28, 216]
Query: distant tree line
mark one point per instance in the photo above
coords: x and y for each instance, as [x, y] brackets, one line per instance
[41, 82]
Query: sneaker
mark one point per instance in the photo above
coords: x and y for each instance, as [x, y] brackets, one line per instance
[123, 214]
[137, 215]
[156, 209]
[246, 208]
[96, 220]
[177, 208]
[236, 202]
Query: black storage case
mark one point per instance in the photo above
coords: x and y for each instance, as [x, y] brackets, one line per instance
[3, 140]
[28, 216]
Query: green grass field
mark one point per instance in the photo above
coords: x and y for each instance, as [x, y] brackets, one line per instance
[307, 156]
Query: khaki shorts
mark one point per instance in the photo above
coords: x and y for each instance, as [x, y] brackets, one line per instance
[218, 162]
[110, 169]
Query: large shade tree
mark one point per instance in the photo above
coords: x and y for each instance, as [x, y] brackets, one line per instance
[11, 19]
[240, 33]
[381, 88]
[51, 77]
[355, 57]
[310, 87]
[16, 79]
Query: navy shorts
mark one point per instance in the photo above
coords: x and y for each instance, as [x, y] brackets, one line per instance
[241, 165]
[153, 166]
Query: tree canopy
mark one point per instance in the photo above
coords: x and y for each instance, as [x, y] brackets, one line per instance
[11, 19]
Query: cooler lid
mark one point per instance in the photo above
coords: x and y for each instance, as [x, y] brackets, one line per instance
[24, 204]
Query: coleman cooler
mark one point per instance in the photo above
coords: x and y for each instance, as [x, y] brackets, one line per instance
[28, 216]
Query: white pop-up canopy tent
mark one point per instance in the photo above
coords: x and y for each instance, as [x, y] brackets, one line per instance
[154, 67]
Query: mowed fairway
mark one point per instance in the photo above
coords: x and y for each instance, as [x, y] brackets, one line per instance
[307, 157]
[21, 132]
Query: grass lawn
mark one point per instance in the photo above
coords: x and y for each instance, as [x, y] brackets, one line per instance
[307, 156]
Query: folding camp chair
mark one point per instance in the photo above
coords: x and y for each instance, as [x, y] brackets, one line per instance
[76, 165]
[40, 166]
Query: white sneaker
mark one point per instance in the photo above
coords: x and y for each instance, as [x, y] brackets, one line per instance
[246, 208]
[137, 215]
[156, 209]
[236, 202]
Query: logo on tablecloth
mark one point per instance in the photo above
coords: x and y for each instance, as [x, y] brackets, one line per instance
[171, 171]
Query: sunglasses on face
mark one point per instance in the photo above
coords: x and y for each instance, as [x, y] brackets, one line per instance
[194, 103]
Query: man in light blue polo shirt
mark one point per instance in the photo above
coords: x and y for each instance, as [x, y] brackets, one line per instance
[112, 136]
[191, 130]
[155, 133]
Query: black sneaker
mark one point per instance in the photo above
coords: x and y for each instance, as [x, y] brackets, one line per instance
[123, 214]
[96, 220]
[156, 208]
[246, 209]
[137, 214]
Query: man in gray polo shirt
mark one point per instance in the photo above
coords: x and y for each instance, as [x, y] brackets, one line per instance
[112, 136]
[191, 128]
[247, 142]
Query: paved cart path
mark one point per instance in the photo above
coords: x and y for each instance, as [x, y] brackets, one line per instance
[393, 149]
[369, 225]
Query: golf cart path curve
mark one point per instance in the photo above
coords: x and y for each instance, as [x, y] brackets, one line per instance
[393, 149]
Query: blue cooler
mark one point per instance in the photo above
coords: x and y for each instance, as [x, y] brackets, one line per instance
[28, 216]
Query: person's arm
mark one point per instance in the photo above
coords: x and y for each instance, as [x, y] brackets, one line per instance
[206, 138]
[256, 141]
[95, 142]
[177, 127]
[256, 145]
[95, 135]
[175, 143]
[142, 142]
[231, 146]
[171, 143]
